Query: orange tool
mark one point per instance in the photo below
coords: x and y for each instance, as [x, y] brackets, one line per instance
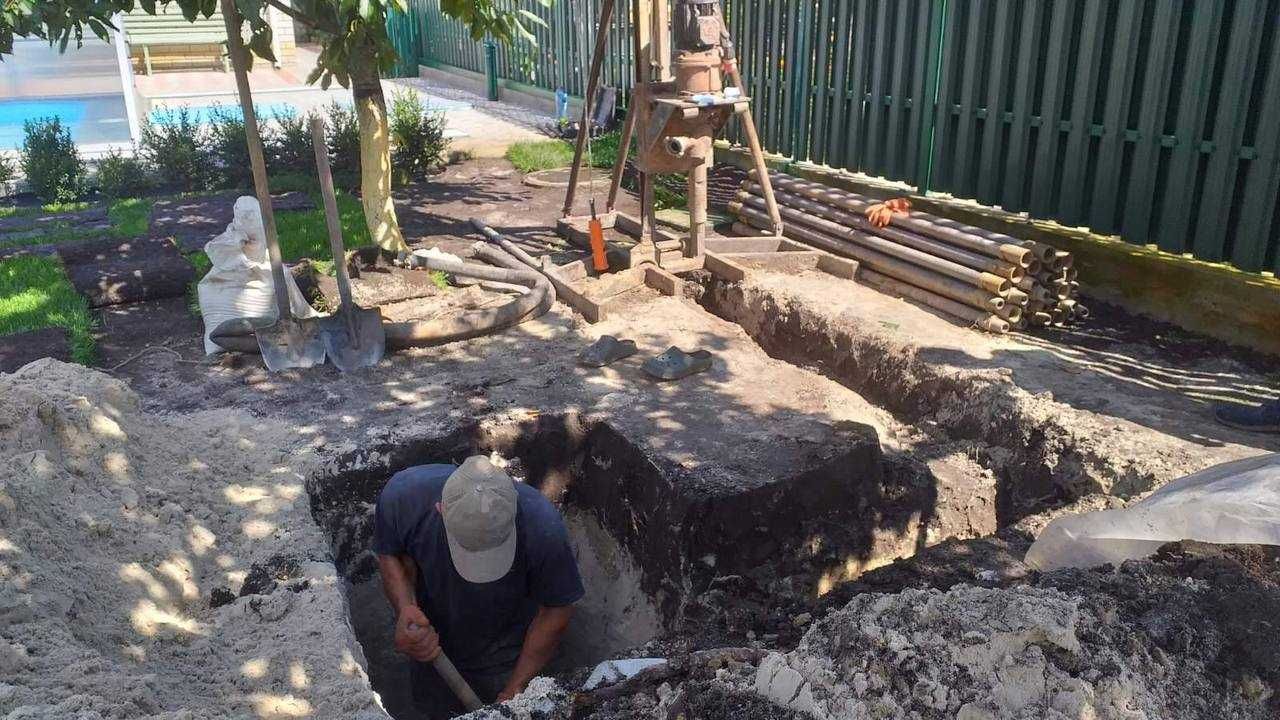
[598, 259]
[881, 214]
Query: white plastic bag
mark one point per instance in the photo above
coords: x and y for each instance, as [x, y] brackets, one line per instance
[1232, 503]
[239, 284]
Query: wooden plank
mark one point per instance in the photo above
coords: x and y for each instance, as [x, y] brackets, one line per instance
[724, 268]
[792, 262]
[742, 244]
[680, 264]
[838, 266]
[663, 281]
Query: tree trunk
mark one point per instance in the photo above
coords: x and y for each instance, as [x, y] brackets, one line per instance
[375, 161]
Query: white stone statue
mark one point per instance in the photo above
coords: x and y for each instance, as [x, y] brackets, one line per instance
[239, 284]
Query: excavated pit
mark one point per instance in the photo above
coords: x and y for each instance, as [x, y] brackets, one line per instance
[662, 548]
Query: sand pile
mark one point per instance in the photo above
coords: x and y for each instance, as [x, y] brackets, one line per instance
[161, 567]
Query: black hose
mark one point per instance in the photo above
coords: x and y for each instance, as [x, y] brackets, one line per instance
[475, 323]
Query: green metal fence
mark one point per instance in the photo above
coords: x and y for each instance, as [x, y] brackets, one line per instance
[1158, 120]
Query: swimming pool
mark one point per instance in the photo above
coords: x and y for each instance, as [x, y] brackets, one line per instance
[92, 119]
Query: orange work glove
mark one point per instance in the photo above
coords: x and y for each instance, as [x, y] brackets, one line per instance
[881, 214]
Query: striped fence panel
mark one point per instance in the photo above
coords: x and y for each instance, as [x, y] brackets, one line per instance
[1158, 120]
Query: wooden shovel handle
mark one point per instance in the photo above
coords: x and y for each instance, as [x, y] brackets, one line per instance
[335, 227]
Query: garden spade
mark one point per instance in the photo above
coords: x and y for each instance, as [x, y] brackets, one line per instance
[288, 342]
[353, 337]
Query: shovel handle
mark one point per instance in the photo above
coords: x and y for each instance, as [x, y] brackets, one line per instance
[455, 681]
[236, 49]
[335, 227]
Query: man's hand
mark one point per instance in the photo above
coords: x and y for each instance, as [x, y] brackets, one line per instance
[414, 635]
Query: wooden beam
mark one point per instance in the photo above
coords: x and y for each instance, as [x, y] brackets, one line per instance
[743, 244]
[680, 264]
[724, 268]
[663, 281]
[838, 266]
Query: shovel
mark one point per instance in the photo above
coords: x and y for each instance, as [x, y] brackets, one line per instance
[288, 342]
[353, 337]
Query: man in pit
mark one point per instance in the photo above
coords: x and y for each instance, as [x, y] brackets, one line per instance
[477, 566]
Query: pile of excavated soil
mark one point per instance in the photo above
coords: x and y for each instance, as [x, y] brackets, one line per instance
[1187, 634]
[161, 567]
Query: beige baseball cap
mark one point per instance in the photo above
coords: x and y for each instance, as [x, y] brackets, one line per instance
[480, 520]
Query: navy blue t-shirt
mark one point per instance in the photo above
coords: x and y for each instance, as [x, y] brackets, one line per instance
[481, 626]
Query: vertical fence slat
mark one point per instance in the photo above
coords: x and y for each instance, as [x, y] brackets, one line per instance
[857, 90]
[1184, 160]
[1115, 117]
[896, 167]
[1044, 171]
[873, 155]
[1262, 184]
[967, 119]
[1156, 88]
[834, 152]
[821, 83]
[993, 126]
[944, 131]
[1228, 129]
[1071, 204]
[1016, 158]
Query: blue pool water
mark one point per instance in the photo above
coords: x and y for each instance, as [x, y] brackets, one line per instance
[92, 119]
[205, 113]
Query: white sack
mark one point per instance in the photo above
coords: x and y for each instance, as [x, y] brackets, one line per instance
[1232, 503]
[239, 284]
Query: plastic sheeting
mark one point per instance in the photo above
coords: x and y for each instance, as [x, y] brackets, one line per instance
[1233, 503]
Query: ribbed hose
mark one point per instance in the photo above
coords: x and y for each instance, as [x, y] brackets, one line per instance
[474, 323]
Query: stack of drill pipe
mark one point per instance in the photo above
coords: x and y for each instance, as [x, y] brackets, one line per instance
[991, 280]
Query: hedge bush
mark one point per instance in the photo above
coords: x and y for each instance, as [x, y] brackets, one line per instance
[343, 139]
[121, 176]
[179, 151]
[54, 169]
[228, 148]
[417, 137]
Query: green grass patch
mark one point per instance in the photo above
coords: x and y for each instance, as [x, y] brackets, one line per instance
[303, 233]
[130, 217]
[533, 155]
[35, 294]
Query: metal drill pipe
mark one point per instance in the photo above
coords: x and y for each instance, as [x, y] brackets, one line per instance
[1010, 312]
[748, 125]
[1008, 252]
[979, 318]
[904, 271]
[973, 260]
[593, 80]
[987, 281]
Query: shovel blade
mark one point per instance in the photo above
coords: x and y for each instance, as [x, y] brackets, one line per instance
[291, 343]
[365, 349]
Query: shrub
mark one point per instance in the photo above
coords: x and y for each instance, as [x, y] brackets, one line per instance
[121, 176]
[417, 137]
[343, 140]
[289, 147]
[6, 168]
[229, 149]
[179, 151]
[53, 166]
